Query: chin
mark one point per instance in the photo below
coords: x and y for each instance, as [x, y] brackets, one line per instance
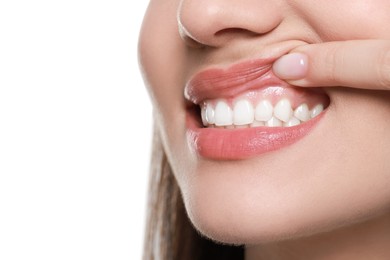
[228, 218]
[261, 200]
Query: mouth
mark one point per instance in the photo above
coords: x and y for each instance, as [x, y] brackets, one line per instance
[273, 106]
[245, 110]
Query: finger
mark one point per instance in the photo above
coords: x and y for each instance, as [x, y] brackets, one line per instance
[358, 64]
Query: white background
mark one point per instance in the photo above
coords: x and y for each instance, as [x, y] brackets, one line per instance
[75, 128]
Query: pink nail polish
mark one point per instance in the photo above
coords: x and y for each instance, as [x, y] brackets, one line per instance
[291, 66]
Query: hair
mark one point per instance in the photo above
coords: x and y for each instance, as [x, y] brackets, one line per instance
[169, 233]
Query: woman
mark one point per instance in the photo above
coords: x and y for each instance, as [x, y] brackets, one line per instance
[271, 128]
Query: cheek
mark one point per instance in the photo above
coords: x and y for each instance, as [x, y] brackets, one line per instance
[159, 52]
[160, 56]
[337, 20]
[163, 62]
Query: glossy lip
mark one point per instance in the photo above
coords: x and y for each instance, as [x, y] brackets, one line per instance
[235, 144]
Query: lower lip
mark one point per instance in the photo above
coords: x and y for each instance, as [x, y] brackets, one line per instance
[236, 144]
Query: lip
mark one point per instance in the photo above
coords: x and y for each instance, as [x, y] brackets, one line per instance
[227, 82]
[235, 144]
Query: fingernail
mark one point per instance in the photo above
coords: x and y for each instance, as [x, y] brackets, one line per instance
[291, 66]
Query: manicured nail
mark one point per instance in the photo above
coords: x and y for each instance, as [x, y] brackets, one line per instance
[291, 66]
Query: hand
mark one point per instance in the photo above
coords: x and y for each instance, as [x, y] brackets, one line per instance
[357, 64]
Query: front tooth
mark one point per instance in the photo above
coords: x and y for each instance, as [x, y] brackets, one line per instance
[263, 111]
[203, 114]
[292, 122]
[283, 110]
[210, 114]
[317, 110]
[302, 112]
[223, 114]
[274, 122]
[243, 113]
[257, 123]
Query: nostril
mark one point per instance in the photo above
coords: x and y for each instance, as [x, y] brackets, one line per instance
[211, 23]
[229, 34]
[234, 32]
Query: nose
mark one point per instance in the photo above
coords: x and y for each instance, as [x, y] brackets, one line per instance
[211, 22]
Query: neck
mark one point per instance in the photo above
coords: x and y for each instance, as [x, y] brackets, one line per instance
[368, 240]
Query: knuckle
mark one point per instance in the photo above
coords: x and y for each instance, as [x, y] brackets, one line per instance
[383, 69]
[333, 60]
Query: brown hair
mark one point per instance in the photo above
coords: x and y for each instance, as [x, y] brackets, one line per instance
[169, 233]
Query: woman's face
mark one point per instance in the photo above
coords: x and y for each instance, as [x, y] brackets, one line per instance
[262, 169]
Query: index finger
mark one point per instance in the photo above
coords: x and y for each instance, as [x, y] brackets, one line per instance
[358, 63]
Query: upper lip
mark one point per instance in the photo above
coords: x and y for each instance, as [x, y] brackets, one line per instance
[218, 82]
[224, 82]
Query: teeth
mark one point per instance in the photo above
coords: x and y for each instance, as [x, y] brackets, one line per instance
[223, 114]
[264, 111]
[302, 112]
[243, 113]
[257, 123]
[241, 126]
[210, 114]
[203, 115]
[273, 122]
[316, 110]
[219, 114]
[292, 122]
[283, 110]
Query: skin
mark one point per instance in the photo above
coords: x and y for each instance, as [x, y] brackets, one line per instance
[325, 197]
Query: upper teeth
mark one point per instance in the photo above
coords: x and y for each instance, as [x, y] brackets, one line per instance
[244, 113]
